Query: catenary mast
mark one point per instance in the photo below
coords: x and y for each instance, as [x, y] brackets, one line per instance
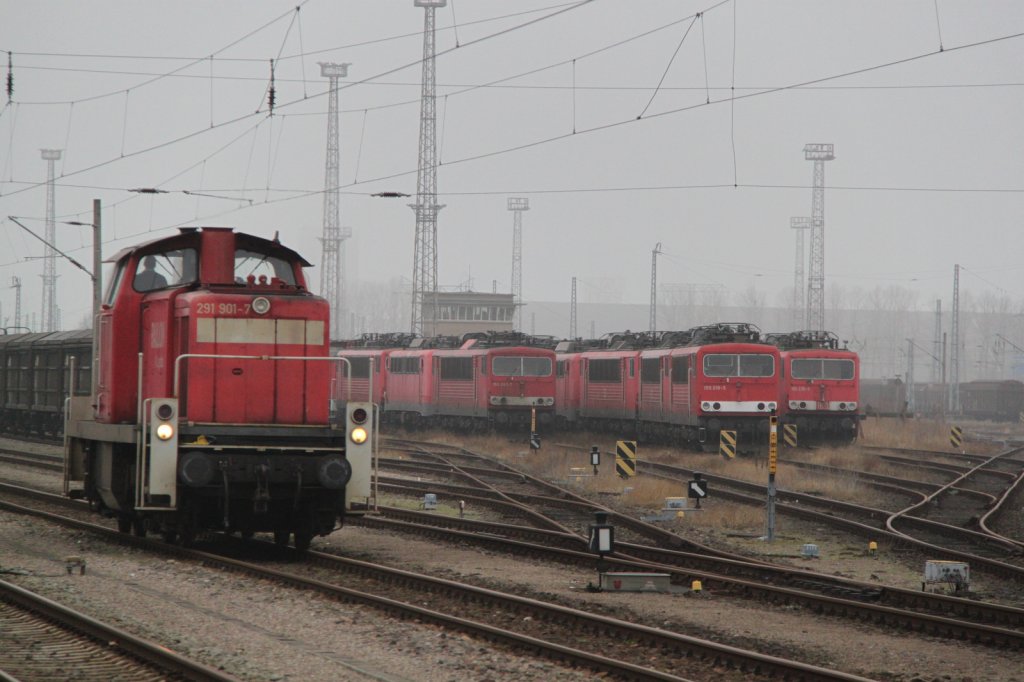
[801, 225]
[654, 288]
[49, 309]
[424, 270]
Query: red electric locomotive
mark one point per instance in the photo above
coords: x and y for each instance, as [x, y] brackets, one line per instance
[477, 382]
[211, 406]
[820, 389]
[356, 381]
[708, 380]
[598, 382]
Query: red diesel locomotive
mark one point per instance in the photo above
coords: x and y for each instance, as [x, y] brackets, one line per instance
[476, 382]
[211, 406]
[820, 387]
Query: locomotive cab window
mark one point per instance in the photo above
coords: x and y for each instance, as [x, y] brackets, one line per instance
[262, 267]
[822, 368]
[167, 269]
[114, 283]
[514, 366]
[738, 365]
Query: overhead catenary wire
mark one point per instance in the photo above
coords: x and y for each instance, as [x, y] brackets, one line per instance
[167, 143]
[669, 65]
[301, 55]
[779, 88]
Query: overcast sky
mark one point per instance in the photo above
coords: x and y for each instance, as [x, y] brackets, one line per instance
[597, 112]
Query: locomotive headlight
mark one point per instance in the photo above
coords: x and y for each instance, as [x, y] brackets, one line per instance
[164, 432]
[358, 435]
[261, 305]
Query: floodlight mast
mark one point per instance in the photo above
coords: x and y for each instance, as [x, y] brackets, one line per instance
[819, 153]
[332, 282]
[517, 205]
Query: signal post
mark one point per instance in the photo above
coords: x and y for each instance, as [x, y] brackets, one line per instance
[773, 455]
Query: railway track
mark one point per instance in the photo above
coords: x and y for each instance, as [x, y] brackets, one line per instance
[728, 573]
[936, 539]
[617, 648]
[43, 640]
[743, 578]
[31, 459]
[947, 627]
[943, 518]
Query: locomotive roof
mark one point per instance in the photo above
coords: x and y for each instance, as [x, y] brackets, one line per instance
[30, 338]
[804, 340]
[189, 236]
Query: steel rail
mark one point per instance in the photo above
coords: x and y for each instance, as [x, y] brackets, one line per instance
[143, 650]
[686, 646]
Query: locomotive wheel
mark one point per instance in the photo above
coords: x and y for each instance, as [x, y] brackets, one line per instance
[124, 524]
[303, 539]
[169, 536]
[281, 538]
[247, 534]
[187, 535]
[139, 527]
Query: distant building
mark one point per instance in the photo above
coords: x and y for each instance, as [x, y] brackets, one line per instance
[459, 312]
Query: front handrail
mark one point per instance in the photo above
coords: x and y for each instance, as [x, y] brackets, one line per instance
[214, 356]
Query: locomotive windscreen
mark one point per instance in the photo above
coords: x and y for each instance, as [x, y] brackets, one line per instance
[513, 366]
[822, 368]
[738, 365]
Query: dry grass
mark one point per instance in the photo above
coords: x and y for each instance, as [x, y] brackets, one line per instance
[921, 434]
[565, 458]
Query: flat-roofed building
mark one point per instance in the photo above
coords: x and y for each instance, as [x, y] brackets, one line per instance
[459, 312]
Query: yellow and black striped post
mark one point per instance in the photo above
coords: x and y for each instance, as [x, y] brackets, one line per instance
[789, 435]
[773, 457]
[956, 436]
[727, 445]
[625, 458]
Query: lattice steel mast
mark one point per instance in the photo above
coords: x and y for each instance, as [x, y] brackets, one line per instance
[954, 346]
[801, 225]
[517, 206]
[572, 311]
[49, 310]
[819, 154]
[332, 281]
[16, 285]
[937, 344]
[654, 287]
[424, 269]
